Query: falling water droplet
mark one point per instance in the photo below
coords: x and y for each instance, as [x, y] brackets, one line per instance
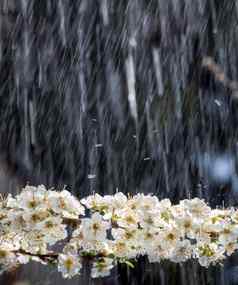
[158, 70]
[131, 80]
[104, 12]
[91, 176]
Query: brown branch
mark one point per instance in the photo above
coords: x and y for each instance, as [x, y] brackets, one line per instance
[44, 257]
[219, 75]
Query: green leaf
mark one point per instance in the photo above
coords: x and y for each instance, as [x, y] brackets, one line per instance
[129, 264]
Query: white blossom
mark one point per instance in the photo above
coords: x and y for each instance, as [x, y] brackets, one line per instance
[102, 268]
[117, 228]
[69, 265]
[66, 204]
[95, 228]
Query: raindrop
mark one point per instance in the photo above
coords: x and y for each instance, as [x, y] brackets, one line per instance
[91, 176]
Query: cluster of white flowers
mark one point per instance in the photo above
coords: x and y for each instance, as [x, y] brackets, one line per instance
[111, 229]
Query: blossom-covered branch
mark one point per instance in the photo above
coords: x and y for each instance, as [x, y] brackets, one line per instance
[111, 229]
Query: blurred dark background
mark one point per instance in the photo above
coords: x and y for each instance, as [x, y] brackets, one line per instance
[106, 95]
